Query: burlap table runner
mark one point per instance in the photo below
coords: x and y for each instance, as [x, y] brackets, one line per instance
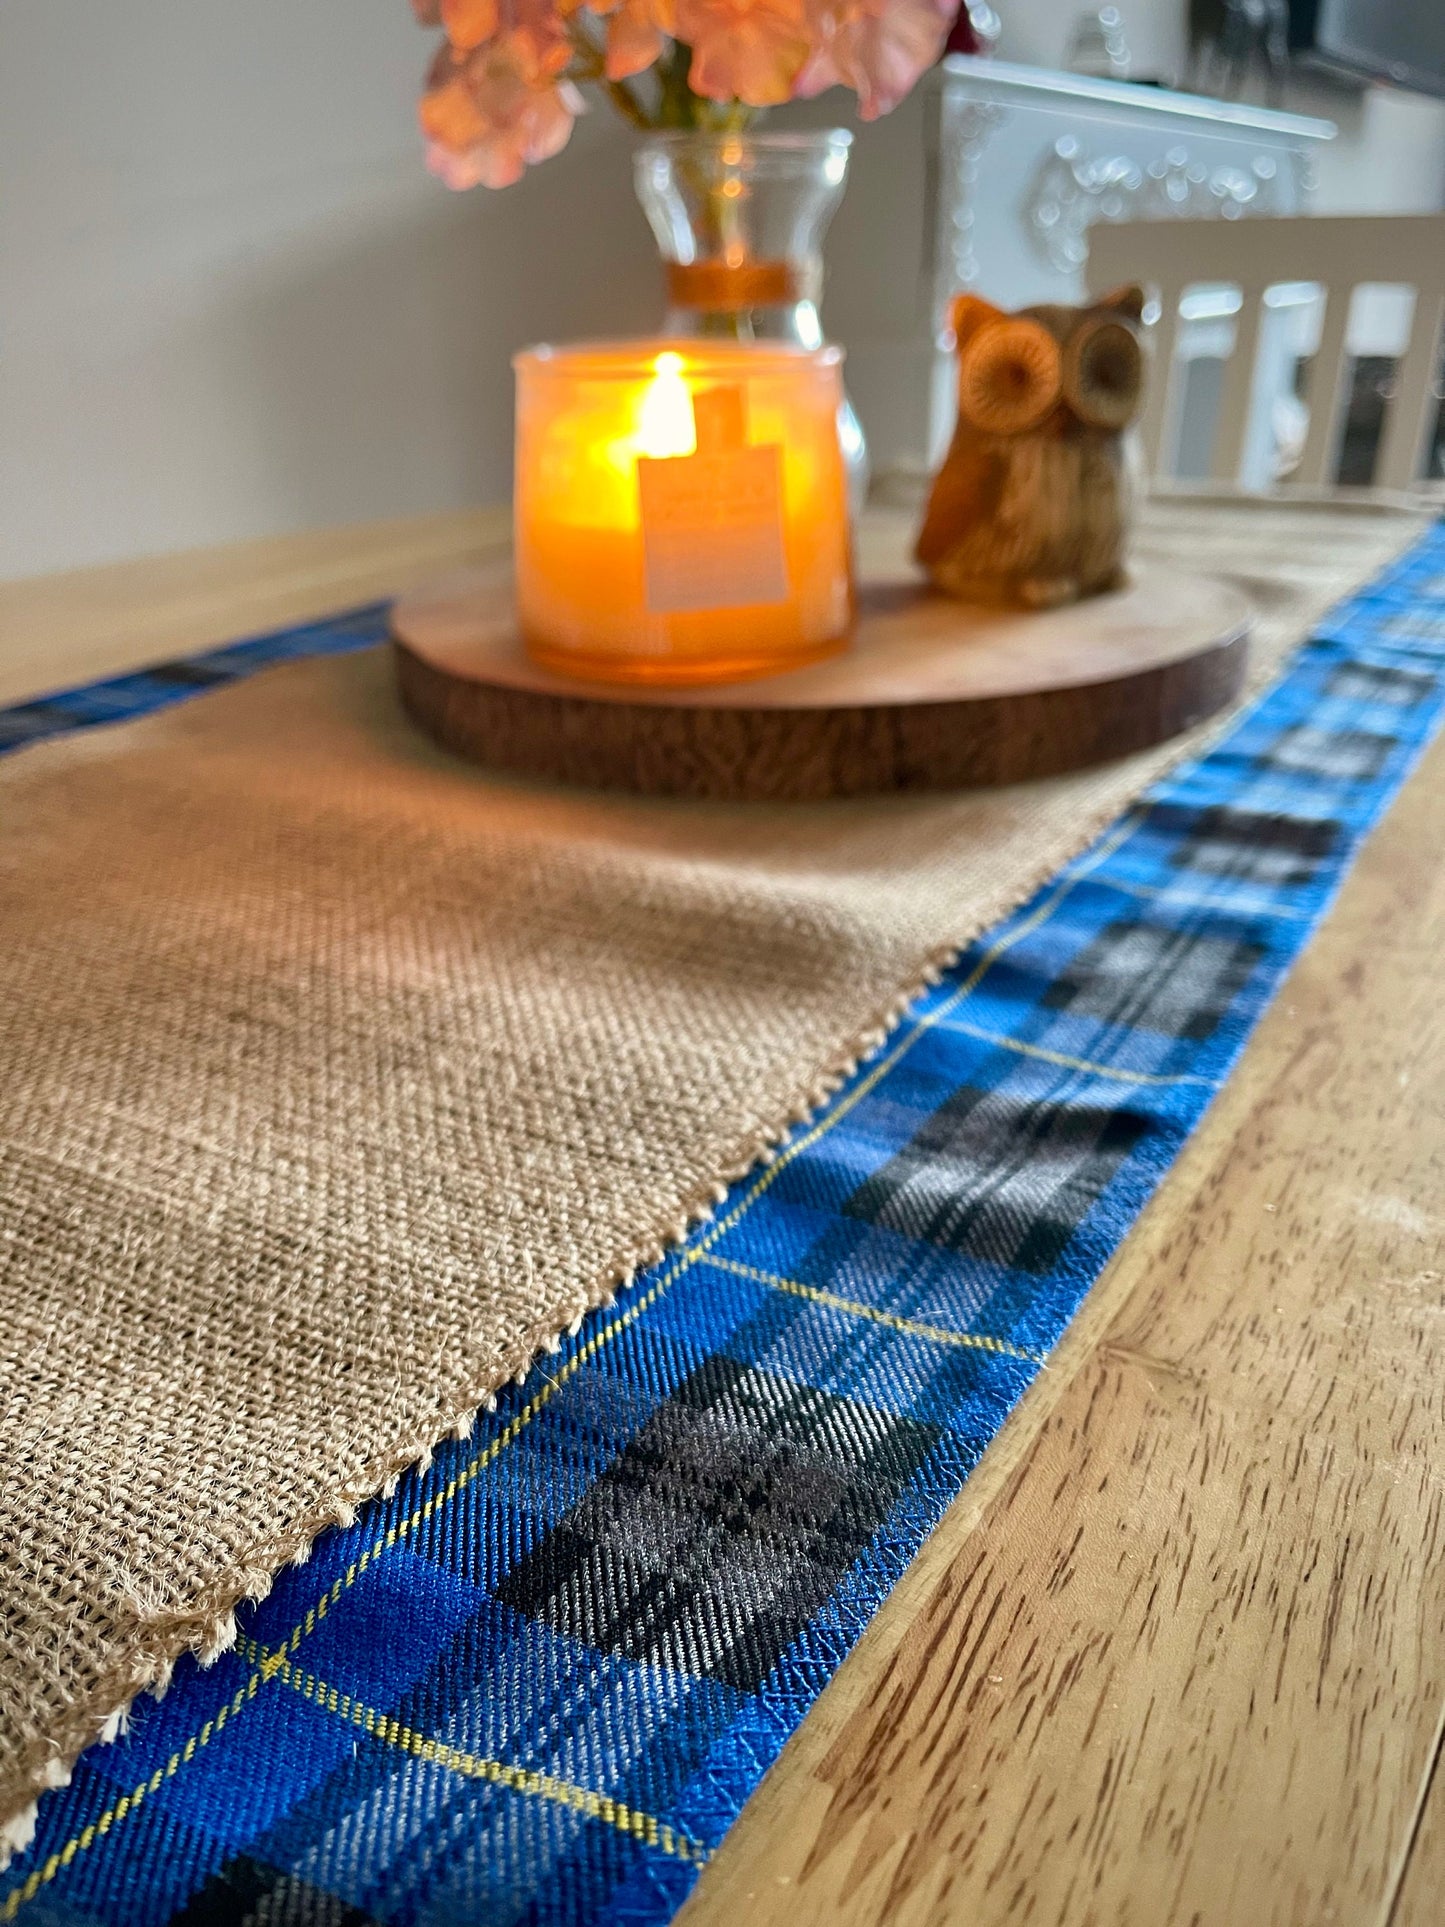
[336, 1078]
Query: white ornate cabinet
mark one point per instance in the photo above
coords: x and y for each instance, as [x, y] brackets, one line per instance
[1018, 163]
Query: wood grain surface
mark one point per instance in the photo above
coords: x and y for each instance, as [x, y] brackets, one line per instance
[1177, 1654]
[1420, 1898]
[61, 629]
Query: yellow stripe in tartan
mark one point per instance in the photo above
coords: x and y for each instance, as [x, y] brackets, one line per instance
[1074, 1063]
[507, 1436]
[87, 1836]
[128, 1802]
[937, 1334]
[473, 1766]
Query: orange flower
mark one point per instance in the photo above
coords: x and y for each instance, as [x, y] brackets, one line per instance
[879, 48]
[496, 98]
[747, 50]
[538, 24]
[493, 112]
[469, 22]
[448, 112]
[637, 32]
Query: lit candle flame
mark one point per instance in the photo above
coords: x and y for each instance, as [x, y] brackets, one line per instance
[665, 425]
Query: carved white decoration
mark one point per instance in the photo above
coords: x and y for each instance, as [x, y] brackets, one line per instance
[1074, 186]
[1021, 163]
[965, 131]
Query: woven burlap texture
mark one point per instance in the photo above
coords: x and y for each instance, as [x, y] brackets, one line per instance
[337, 1078]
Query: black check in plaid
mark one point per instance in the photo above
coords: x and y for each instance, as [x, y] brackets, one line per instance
[723, 1526]
[190, 675]
[1248, 846]
[1151, 977]
[248, 1893]
[388, 1742]
[27, 720]
[1335, 755]
[1364, 682]
[1005, 1178]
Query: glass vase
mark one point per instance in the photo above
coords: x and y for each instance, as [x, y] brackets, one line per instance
[740, 219]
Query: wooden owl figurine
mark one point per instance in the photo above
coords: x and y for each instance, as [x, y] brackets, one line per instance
[1032, 504]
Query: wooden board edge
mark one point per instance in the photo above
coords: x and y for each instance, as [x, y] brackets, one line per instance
[756, 755]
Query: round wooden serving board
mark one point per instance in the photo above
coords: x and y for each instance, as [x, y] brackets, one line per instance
[931, 695]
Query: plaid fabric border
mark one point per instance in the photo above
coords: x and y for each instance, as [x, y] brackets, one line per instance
[538, 1682]
[119, 698]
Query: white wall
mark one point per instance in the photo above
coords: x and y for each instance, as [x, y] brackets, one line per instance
[233, 303]
[1388, 153]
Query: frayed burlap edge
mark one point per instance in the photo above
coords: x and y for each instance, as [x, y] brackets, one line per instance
[210, 1630]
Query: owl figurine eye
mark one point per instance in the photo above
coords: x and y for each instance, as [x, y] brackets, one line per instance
[1010, 375]
[1103, 373]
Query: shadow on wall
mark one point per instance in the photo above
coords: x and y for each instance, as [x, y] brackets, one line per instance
[378, 363]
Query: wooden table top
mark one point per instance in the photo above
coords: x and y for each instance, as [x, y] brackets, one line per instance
[1177, 1653]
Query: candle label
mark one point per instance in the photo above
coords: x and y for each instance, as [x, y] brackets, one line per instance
[712, 527]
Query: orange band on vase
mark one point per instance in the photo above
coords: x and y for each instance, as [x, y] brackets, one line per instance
[720, 285]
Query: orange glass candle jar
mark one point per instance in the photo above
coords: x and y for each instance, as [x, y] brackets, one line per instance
[681, 510]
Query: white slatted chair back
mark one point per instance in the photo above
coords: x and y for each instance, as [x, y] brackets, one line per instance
[1339, 254]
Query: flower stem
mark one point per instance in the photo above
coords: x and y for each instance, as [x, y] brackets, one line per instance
[677, 105]
[676, 101]
[628, 105]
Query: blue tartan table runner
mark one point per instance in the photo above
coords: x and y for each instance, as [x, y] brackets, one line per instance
[537, 1684]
